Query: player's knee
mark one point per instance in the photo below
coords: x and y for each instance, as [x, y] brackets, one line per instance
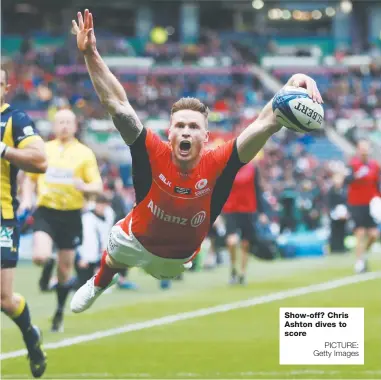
[6, 302]
[64, 267]
[232, 240]
[39, 259]
[112, 263]
[374, 234]
[360, 233]
[63, 274]
[245, 245]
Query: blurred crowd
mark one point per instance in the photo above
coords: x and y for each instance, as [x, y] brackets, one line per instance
[37, 86]
[346, 92]
[352, 99]
[295, 183]
[354, 91]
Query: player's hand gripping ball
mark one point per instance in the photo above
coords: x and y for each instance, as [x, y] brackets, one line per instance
[295, 110]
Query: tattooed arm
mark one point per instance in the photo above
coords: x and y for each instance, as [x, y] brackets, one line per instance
[128, 125]
[113, 98]
[109, 90]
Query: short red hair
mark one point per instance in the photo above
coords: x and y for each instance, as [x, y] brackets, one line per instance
[192, 104]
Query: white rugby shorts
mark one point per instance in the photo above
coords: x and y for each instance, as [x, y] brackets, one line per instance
[126, 249]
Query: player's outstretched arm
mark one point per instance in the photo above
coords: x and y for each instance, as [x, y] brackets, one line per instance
[255, 136]
[30, 158]
[26, 150]
[109, 90]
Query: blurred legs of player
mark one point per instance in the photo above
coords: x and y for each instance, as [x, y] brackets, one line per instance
[366, 233]
[240, 232]
[234, 243]
[46, 274]
[216, 239]
[365, 238]
[16, 307]
[66, 227]
[42, 256]
[42, 251]
[65, 264]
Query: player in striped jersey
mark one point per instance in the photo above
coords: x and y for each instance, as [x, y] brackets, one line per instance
[21, 148]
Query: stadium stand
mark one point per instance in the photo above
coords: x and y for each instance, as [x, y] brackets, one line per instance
[46, 76]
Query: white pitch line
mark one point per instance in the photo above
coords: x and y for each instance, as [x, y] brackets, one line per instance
[169, 319]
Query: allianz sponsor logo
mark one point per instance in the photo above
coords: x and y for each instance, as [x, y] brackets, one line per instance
[161, 214]
[164, 180]
[198, 219]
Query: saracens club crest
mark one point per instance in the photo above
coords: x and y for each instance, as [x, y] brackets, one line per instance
[201, 184]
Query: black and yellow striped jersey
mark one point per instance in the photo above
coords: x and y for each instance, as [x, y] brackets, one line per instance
[17, 131]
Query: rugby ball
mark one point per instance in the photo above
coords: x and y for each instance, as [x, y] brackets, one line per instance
[295, 110]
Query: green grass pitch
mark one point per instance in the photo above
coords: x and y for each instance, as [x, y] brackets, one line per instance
[241, 343]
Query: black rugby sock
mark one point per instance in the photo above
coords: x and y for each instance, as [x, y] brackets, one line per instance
[62, 291]
[22, 319]
[47, 273]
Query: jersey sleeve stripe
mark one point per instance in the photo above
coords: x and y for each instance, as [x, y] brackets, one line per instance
[28, 140]
[7, 211]
[224, 183]
[141, 167]
[8, 133]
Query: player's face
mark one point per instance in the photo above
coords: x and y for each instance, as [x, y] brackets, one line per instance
[4, 86]
[338, 180]
[187, 135]
[65, 125]
[363, 149]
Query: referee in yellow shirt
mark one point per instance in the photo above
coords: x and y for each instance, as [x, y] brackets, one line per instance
[72, 173]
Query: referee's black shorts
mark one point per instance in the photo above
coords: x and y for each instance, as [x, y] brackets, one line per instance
[242, 224]
[362, 218]
[64, 227]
